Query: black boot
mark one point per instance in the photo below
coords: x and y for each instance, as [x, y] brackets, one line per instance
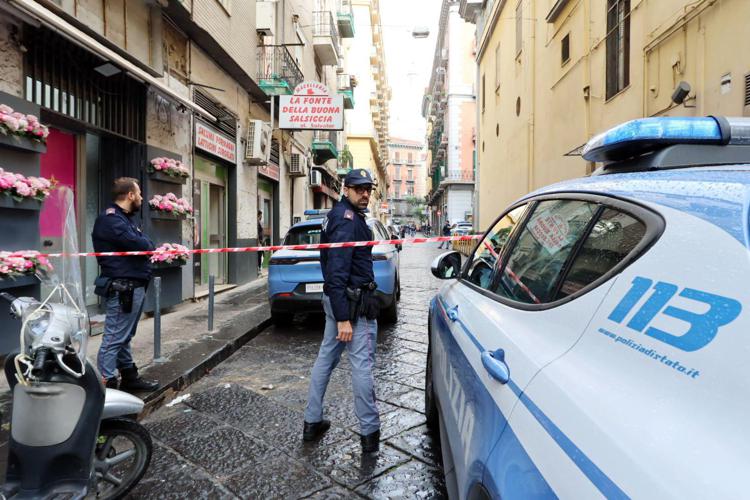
[112, 383]
[132, 382]
[314, 430]
[371, 442]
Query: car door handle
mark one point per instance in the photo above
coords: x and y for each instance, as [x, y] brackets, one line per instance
[453, 313]
[494, 363]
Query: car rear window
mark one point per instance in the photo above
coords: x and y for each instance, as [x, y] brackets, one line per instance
[611, 239]
[303, 236]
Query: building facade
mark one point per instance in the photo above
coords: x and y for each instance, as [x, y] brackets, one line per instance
[450, 109]
[123, 83]
[552, 74]
[367, 123]
[408, 178]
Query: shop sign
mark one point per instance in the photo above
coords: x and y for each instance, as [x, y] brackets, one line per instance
[311, 107]
[212, 141]
[270, 170]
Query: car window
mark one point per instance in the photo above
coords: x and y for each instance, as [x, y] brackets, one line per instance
[538, 258]
[308, 235]
[479, 270]
[612, 238]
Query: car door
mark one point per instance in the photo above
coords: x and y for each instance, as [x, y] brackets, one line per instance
[515, 324]
[469, 420]
[651, 402]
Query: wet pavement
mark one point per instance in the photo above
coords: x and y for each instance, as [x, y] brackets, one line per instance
[238, 433]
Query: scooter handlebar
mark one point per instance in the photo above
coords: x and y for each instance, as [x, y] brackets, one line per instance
[37, 369]
[5, 295]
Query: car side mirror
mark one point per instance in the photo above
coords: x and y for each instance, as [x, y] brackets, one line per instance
[447, 266]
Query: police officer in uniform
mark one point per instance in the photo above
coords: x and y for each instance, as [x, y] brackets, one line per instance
[351, 312]
[122, 283]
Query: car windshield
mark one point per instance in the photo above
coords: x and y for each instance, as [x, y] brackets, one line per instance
[306, 235]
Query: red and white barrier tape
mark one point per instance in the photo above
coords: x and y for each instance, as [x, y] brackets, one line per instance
[272, 248]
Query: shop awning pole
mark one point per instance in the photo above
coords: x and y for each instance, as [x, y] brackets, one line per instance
[52, 20]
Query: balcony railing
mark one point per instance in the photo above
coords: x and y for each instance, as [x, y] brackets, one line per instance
[345, 17]
[325, 146]
[457, 176]
[326, 38]
[346, 88]
[278, 73]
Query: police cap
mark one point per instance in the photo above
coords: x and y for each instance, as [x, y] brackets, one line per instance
[357, 177]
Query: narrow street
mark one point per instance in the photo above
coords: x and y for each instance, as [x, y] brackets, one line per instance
[238, 434]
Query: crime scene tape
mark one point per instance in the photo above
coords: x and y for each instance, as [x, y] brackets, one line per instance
[270, 248]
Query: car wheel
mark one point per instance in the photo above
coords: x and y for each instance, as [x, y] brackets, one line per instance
[282, 319]
[430, 403]
[389, 315]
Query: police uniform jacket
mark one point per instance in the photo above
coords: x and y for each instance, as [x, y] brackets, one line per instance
[345, 267]
[115, 231]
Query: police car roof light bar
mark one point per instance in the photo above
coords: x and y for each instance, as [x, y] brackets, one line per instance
[644, 135]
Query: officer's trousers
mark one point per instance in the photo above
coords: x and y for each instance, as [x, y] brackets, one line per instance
[119, 329]
[361, 352]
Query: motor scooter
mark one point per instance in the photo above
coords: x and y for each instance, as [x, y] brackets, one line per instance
[69, 436]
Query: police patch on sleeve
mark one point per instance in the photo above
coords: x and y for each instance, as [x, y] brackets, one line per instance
[349, 215]
[110, 211]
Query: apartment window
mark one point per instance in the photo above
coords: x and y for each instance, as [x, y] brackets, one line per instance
[397, 190]
[410, 174]
[411, 157]
[618, 46]
[519, 28]
[497, 67]
[398, 156]
[398, 172]
[565, 49]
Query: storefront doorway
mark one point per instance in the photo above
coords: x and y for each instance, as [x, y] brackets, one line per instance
[210, 203]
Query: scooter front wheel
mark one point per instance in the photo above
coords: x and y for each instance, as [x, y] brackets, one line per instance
[123, 453]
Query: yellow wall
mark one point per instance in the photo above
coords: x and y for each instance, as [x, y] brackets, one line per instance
[670, 41]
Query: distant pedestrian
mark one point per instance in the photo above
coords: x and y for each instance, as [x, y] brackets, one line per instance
[446, 232]
[351, 313]
[122, 283]
[260, 240]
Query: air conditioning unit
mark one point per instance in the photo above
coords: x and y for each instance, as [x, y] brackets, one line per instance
[258, 147]
[264, 18]
[298, 164]
[316, 178]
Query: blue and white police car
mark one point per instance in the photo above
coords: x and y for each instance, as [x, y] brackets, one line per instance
[295, 278]
[594, 342]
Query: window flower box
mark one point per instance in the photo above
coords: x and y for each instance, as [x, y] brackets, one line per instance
[24, 280]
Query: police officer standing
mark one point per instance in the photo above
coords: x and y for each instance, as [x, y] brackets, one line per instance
[122, 283]
[351, 312]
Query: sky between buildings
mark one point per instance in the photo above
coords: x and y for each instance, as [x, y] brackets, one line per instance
[408, 61]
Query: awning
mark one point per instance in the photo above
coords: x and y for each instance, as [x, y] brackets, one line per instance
[55, 22]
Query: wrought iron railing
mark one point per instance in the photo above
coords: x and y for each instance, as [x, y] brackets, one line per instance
[324, 25]
[276, 63]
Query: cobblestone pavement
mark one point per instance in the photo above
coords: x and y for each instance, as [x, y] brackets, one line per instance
[238, 434]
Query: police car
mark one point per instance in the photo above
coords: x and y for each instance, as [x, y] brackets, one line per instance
[295, 279]
[595, 343]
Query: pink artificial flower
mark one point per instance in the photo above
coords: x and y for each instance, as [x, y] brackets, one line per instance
[23, 189]
[5, 109]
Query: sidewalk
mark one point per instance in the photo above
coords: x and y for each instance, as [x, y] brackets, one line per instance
[188, 348]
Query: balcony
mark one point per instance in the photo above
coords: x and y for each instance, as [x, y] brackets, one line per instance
[324, 146]
[345, 18]
[278, 73]
[346, 88]
[325, 38]
[456, 177]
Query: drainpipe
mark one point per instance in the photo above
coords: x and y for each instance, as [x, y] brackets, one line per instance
[532, 107]
[587, 69]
